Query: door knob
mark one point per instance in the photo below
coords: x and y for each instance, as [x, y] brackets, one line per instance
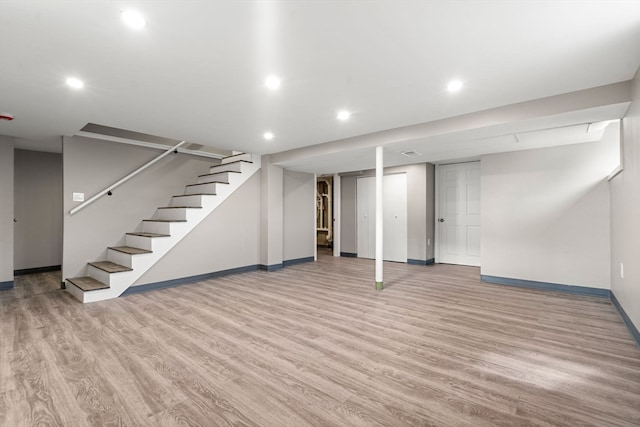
[15, 219]
[441, 220]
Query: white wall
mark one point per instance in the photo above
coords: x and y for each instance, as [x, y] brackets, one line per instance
[38, 208]
[90, 166]
[6, 209]
[545, 214]
[625, 215]
[298, 215]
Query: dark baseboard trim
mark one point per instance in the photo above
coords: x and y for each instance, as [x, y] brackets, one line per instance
[288, 262]
[348, 254]
[627, 321]
[187, 280]
[6, 285]
[201, 277]
[420, 261]
[580, 290]
[36, 270]
[272, 267]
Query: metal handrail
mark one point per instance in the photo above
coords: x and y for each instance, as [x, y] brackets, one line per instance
[125, 179]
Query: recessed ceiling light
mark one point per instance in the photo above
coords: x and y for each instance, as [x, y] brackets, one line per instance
[344, 115]
[268, 136]
[454, 86]
[272, 82]
[133, 19]
[75, 83]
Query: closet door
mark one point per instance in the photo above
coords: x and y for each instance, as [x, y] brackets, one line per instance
[394, 217]
[366, 217]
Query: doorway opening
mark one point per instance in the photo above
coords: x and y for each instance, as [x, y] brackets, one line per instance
[324, 212]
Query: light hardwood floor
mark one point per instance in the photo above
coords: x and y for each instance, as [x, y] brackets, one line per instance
[315, 344]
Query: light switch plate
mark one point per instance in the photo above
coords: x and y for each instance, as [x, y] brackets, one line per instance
[78, 197]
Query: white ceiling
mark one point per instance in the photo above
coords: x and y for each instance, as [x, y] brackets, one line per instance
[197, 71]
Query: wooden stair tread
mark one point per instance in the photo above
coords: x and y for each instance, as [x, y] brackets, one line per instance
[218, 173]
[110, 267]
[146, 234]
[235, 161]
[87, 283]
[204, 183]
[165, 220]
[130, 250]
[195, 194]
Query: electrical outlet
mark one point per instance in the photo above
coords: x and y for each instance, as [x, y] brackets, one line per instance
[621, 270]
[78, 197]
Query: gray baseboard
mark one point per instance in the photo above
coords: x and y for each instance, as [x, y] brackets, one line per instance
[36, 270]
[187, 280]
[348, 254]
[6, 285]
[627, 321]
[289, 262]
[272, 267]
[201, 277]
[580, 290]
[421, 261]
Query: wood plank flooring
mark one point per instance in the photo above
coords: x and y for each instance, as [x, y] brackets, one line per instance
[315, 345]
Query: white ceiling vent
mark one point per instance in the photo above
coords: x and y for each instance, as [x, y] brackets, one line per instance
[410, 153]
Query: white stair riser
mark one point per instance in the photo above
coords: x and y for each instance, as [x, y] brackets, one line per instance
[140, 241]
[128, 260]
[114, 280]
[202, 188]
[179, 214]
[229, 167]
[75, 291]
[195, 200]
[245, 156]
[99, 275]
[216, 177]
[119, 258]
[156, 227]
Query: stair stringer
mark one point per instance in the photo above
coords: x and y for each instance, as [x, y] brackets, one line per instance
[120, 282]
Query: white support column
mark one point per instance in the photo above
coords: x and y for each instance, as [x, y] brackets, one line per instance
[315, 217]
[271, 217]
[336, 214]
[379, 218]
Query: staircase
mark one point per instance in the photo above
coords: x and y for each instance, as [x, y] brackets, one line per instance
[170, 224]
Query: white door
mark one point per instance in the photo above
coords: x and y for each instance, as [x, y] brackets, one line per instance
[366, 217]
[458, 219]
[394, 217]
